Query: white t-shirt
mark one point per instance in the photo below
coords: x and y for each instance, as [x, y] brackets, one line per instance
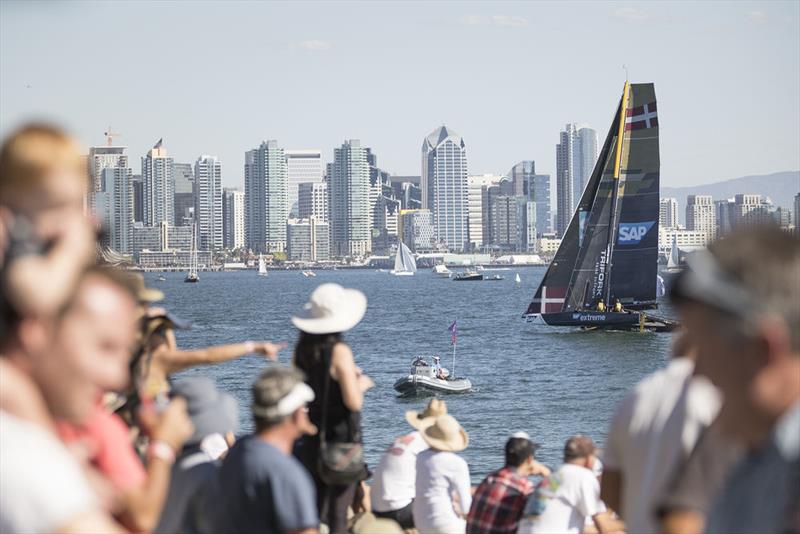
[394, 479]
[42, 487]
[439, 475]
[562, 502]
[653, 430]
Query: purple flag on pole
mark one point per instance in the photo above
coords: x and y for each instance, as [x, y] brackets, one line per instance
[453, 331]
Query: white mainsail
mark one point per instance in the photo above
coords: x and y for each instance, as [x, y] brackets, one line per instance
[262, 266]
[404, 263]
[673, 260]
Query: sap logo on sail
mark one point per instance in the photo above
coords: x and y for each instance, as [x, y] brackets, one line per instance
[633, 233]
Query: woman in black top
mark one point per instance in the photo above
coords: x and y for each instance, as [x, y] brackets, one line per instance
[321, 351]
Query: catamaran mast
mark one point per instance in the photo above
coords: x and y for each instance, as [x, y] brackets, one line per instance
[612, 233]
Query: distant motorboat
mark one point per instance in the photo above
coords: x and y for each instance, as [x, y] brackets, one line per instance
[442, 271]
[404, 262]
[161, 278]
[469, 276]
[262, 266]
[309, 274]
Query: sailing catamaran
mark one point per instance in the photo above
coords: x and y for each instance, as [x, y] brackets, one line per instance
[610, 249]
[262, 266]
[192, 276]
[404, 262]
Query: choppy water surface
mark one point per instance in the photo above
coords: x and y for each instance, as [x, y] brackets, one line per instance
[550, 384]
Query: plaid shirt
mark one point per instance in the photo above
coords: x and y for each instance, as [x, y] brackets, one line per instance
[498, 503]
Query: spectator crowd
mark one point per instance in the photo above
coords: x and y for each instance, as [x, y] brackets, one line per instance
[98, 435]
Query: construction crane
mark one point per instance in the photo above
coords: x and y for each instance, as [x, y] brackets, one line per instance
[110, 135]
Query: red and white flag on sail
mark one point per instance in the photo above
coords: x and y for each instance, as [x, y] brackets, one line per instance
[641, 117]
[550, 299]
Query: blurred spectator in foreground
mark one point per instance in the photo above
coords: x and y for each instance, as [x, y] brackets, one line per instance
[740, 303]
[499, 500]
[69, 360]
[45, 239]
[441, 473]
[260, 486]
[652, 433]
[98, 332]
[215, 417]
[563, 501]
[339, 388]
[393, 487]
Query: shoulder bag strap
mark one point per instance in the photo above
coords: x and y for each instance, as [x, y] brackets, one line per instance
[324, 400]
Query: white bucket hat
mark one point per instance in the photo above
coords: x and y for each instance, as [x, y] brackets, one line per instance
[331, 309]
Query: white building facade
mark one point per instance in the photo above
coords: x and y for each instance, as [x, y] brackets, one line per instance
[232, 218]
[668, 213]
[208, 202]
[348, 187]
[445, 186]
[701, 215]
[475, 185]
[266, 183]
[158, 187]
[302, 166]
[312, 200]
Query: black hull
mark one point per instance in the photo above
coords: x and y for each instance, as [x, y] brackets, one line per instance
[469, 278]
[597, 320]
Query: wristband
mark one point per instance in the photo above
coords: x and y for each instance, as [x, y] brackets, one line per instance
[162, 451]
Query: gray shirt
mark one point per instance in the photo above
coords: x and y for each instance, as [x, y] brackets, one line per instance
[261, 489]
[761, 493]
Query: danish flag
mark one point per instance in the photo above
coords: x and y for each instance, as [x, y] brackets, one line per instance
[641, 117]
[551, 300]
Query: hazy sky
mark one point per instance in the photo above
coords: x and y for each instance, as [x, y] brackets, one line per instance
[218, 78]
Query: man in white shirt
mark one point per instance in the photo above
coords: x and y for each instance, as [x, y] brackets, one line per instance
[563, 501]
[652, 433]
[393, 488]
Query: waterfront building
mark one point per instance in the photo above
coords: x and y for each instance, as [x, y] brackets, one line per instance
[312, 200]
[183, 175]
[161, 238]
[417, 230]
[475, 191]
[158, 187]
[308, 240]
[302, 166]
[174, 259]
[138, 198]
[505, 223]
[535, 187]
[445, 186]
[208, 202]
[686, 239]
[576, 154]
[489, 193]
[752, 210]
[266, 186]
[668, 213]
[232, 218]
[104, 157]
[348, 188]
[548, 244]
[118, 221]
[701, 215]
[723, 214]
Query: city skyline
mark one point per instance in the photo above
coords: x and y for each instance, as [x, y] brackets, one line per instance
[715, 125]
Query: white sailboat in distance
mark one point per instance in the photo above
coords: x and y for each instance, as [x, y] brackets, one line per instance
[404, 262]
[262, 266]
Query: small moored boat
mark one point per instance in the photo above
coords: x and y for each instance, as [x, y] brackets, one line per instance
[442, 271]
[469, 276]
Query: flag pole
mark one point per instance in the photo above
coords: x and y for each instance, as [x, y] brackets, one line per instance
[454, 360]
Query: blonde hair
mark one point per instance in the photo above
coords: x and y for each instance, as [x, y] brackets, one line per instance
[34, 153]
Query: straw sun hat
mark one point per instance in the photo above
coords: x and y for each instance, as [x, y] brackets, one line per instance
[331, 309]
[445, 434]
[420, 420]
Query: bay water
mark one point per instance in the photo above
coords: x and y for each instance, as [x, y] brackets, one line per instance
[547, 382]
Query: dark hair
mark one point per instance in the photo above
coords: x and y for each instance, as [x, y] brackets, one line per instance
[578, 447]
[311, 348]
[518, 450]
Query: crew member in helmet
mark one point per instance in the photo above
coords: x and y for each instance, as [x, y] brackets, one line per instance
[437, 367]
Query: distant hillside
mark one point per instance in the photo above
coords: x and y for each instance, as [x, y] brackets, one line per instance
[781, 187]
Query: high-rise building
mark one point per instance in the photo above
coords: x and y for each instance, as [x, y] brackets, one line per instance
[138, 198]
[348, 188]
[445, 186]
[104, 157]
[232, 218]
[489, 193]
[417, 231]
[723, 213]
[701, 215]
[576, 154]
[308, 240]
[752, 210]
[797, 212]
[157, 187]
[312, 200]
[535, 187]
[208, 202]
[302, 166]
[183, 175]
[476, 184]
[668, 213]
[266, 192]
[117, 184]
